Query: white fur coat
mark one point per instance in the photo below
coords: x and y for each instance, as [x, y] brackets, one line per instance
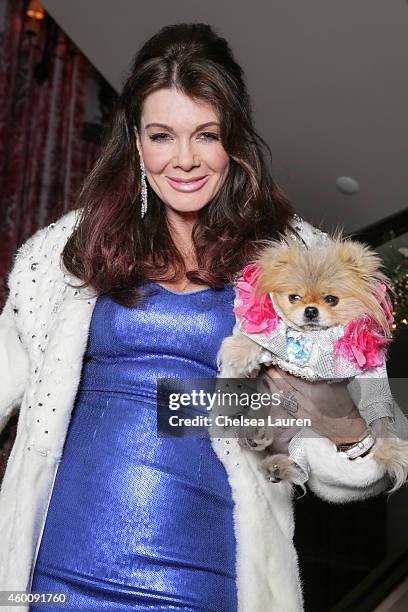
[43, 335]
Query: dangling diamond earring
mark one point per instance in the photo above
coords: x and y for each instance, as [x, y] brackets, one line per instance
[143, 188]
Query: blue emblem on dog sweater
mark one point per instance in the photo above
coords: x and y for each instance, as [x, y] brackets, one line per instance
[299, 348]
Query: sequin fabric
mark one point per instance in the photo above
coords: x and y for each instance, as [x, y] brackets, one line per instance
[138, 522]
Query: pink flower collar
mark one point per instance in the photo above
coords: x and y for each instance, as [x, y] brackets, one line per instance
[256, 313]
[362, 343]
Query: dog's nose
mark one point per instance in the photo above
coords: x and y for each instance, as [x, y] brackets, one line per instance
[311, 313]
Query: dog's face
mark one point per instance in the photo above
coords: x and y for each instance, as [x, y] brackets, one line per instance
[318, 306]
[323, 286]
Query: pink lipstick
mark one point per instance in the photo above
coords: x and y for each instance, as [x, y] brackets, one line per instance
[187, 185]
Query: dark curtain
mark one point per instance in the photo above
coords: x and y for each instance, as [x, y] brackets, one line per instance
[47, 95]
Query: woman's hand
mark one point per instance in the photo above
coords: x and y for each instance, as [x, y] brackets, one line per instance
[328, 406]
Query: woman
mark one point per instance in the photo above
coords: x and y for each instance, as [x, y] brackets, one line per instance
[94, 504]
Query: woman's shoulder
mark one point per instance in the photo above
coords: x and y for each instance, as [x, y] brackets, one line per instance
[38, 259]
[55, 233]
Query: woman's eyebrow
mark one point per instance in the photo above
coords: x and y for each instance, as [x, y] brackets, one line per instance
[170, 129]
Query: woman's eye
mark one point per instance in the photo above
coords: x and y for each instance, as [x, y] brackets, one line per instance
[209, 136]
[163, 137]
[294, 298]
[332, 300]
[159, 137]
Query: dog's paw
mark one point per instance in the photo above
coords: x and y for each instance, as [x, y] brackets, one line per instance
[238, 356]
[392, 453]
[279, 467]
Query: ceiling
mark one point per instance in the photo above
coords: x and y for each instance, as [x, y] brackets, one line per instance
[328, 81]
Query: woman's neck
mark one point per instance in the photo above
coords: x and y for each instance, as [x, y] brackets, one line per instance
[180, 227]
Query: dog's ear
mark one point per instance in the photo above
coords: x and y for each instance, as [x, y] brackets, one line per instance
[358, 257]
[363, 267]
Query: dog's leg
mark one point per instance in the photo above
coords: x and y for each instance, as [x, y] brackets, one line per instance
[238, 357]
[259, 440]
[390, 451]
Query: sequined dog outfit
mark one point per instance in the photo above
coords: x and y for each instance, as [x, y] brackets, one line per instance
[138, 522]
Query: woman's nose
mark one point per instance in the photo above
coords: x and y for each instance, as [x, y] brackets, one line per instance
[185, 157]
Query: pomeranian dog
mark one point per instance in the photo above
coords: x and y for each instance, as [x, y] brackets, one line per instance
[296, 302]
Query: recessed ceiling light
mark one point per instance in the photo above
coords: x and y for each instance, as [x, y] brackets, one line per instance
[348, 185]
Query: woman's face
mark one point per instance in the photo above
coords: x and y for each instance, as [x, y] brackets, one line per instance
[179, 141]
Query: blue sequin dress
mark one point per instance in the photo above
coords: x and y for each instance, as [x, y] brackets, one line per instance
[138, 522]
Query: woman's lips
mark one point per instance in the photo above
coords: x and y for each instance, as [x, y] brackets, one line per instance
[187, 185]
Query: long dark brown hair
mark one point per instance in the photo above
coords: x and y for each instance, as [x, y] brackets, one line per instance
[113, 249]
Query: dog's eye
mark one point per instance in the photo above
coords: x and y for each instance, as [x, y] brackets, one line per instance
[294, 298]
[332, 300]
